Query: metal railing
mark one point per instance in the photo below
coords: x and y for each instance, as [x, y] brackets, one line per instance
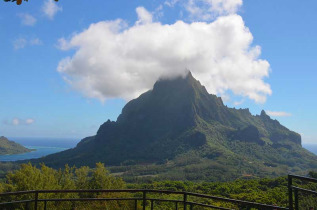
[294, 203]
[184, 202]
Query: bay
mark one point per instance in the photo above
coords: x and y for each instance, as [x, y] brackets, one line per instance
[42, 146]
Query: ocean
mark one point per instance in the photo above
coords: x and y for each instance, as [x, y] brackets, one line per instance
[46, 146]
[42, 146]
[311, 147]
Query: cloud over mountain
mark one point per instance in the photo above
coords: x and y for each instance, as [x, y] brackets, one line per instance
[114, 60]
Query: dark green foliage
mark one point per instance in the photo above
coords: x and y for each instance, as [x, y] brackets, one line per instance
[267, 191]
[6, 167]
[179, 131]
[28, 177]
[10, 147]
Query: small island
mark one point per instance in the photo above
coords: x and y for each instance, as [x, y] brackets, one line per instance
[8, 147]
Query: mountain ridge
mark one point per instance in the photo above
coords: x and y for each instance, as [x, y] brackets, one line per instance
[178, 117]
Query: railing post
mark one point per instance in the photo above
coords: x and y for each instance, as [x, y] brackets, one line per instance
[35, 199]
[45, 205]
[144, 199]
[176, 205]
[185, 201]
[296, 199]
[152, 204]
[191, 206]
[135, 204]
[290, 193]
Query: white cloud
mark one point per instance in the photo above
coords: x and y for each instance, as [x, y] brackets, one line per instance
[209, 9]
[237, 103]
[27, 19]
[22, 43]
[206, 10]
[35, 41]
[171, 3]
[158, 12]
[50, 8]
[144, 16]
[278, 114]
[19, 43]
[116, 61]
[29, 121]
[62, 44]
[16, 121]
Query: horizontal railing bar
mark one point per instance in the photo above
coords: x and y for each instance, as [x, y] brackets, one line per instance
[305, 190]
[188, 202]
[111, 190]
[71, 191]
[15, 202]
[164, 191]
[91, 191]
[253, 204]
[164, 200]
[90, 199]
[210, 206]
[72, 199]
[18, 193]
[303, 178]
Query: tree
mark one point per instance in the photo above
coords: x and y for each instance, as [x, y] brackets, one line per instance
[30, 177]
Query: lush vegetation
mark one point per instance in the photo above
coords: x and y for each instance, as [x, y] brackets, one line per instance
[10, 147]
[29, 177]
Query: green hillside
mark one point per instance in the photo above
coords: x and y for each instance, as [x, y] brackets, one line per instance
[8, 147]
[179, 131]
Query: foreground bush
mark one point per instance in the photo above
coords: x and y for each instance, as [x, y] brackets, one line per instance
[29, 177]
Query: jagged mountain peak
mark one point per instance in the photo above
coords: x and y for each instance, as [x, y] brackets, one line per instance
[176, 101]
[179, 117]
[263, 114]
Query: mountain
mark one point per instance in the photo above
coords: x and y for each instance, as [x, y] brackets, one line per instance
[179, 130]
[8, 147]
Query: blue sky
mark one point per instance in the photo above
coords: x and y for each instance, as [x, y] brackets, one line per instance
[47, 89]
